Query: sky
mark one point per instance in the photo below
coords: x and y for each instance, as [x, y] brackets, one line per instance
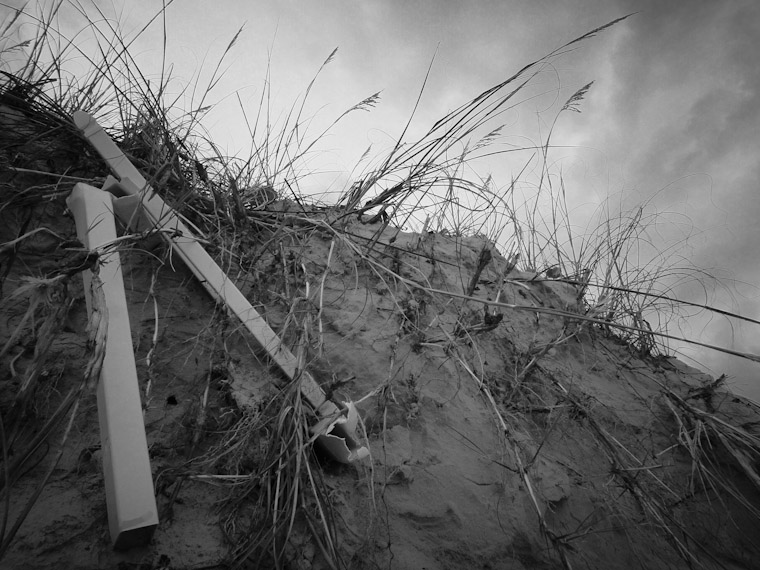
[672, 120]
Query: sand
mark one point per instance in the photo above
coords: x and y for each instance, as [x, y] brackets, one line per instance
[531, 442]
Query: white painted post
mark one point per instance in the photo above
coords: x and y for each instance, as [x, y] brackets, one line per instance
[132, 511]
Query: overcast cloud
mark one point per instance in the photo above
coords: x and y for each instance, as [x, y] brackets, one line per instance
[678, 118]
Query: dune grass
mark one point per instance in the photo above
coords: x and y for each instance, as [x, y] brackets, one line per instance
[247, 207]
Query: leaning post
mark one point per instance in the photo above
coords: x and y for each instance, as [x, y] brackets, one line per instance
[131, 503]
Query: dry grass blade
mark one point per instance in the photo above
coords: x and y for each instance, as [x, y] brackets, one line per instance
[655, 507]
[560, 546]
[699, 432]
[283, 500]
[69, 405]
[48, 297]
[419, 164]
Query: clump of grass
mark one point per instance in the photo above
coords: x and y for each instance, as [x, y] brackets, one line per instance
[410, 177]
[713, 443]
[282, 497]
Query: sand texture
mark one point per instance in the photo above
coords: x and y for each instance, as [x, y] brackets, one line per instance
[505, 436]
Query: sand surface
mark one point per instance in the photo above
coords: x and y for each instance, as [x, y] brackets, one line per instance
[532, 442]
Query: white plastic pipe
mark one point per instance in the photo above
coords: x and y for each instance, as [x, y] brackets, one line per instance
[132, 511]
